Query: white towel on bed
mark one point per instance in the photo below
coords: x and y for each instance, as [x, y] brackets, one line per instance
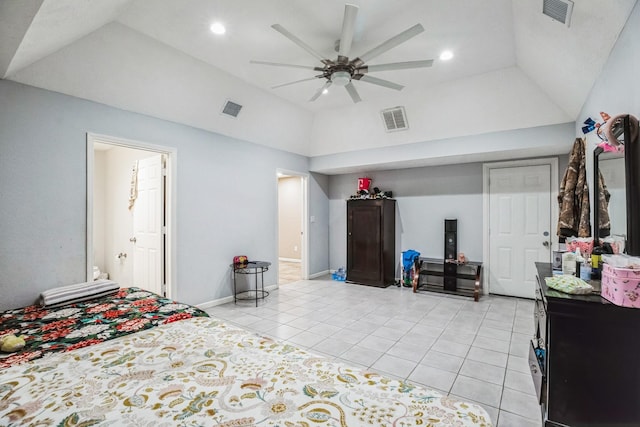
[78, 292]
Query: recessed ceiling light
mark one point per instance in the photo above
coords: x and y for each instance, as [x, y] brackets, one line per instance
[446, 55]
[217, 28]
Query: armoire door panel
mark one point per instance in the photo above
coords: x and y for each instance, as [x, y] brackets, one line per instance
[371, 241]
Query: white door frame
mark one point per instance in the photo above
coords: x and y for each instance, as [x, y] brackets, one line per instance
[486, 169]
[171, 154]
[305, 220]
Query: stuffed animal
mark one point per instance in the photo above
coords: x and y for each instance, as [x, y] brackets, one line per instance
[11, 343]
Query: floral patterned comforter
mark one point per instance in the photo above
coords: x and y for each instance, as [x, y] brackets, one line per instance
[82, 324]
[202, 372]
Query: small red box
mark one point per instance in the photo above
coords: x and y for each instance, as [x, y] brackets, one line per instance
[621, 286]
[364, 183]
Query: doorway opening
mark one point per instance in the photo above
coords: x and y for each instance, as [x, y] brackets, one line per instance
[519, 217]
[130, 214]
[292, 224]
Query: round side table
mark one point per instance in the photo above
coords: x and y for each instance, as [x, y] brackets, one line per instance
[255, 268]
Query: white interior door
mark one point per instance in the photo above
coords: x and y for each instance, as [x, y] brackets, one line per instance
[147, 226]
[519, 227]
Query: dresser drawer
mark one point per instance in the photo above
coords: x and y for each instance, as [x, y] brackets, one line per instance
[537, 368]
[540, 319]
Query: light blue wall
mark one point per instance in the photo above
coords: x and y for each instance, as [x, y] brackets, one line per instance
[226, 196]
[319, 228]
[617, 89]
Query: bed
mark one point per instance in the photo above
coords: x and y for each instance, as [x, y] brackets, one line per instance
[200, 371]
[72, 326]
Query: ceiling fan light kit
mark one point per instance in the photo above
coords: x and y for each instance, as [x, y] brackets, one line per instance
[340, 78]
[342, 71]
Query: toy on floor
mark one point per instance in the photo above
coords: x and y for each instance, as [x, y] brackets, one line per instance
[11, 343]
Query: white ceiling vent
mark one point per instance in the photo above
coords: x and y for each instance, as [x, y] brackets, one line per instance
[394, 119]
[231, 109]
[560, 10]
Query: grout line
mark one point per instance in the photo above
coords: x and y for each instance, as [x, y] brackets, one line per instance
[294, 297]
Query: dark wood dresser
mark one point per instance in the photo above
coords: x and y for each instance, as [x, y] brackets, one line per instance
[371, 241]
[585, 358]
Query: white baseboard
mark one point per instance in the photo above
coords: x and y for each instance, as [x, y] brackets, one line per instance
[215, 302]
[321, 273]
[290, 259]
[270, 288]
[225, 300]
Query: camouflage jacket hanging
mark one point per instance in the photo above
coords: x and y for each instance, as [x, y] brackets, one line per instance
[574, 218]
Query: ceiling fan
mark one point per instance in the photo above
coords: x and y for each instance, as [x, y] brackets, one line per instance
[343, 71]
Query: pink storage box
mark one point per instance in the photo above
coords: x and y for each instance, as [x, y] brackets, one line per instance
[621, 286]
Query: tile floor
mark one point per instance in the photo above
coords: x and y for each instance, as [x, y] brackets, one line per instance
[289, 272]
[474, 350]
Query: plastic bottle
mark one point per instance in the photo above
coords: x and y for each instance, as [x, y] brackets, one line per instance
[596, 263]
[569, 263]
[579, 262]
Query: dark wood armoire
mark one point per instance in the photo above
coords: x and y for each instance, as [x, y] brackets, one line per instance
[371, 241]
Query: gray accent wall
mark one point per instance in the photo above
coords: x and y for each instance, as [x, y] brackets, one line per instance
[226, 196]
[425, 197]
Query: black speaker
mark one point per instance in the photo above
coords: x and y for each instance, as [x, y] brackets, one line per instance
[450, 239]
[450, 254]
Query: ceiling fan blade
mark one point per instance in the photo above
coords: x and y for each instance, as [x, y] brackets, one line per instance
[396, 66]
[379, 82]
[319, 91]
[279, 28]
[353, 92]
[297, 81]
[348, 25]
[392, 42]
[278, 64]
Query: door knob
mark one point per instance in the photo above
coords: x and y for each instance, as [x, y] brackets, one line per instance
[545, 244]
[133, 240]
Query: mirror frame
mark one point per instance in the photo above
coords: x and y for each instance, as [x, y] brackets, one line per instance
[632, 186]
[632, 183]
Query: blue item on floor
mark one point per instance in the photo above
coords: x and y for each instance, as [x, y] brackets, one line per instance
[409, 267]
[409, 258]
[340, 275]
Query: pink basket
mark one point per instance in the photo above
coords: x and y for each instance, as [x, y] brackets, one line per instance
[621, 286]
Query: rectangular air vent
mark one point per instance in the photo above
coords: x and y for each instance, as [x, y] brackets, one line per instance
[394, 119]
[231, 109]
[560, 10]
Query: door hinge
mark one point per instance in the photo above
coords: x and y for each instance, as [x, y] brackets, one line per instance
[164, 229]
[164, 290]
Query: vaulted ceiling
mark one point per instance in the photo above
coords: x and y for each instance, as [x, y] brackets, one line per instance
[513, 67]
